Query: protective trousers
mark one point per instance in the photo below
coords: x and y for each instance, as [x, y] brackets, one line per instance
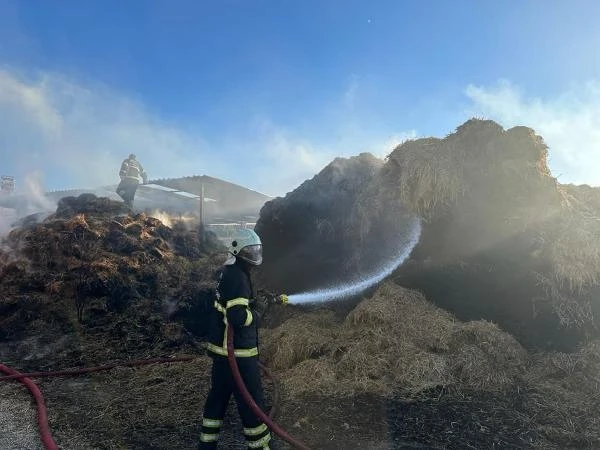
[126, 190]
[222, 386]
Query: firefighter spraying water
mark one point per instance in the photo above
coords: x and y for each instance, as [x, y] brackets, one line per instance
[233, 346]
[235, 307]
[234, 334]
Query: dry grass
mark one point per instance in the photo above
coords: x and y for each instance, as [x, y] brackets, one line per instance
[394, 342]
[157, 406]
[17, 418]
[105, 265]
[577, 371]
[315, 376]
[485, 356]
[396, 345]
[571, 310]
[570, 243]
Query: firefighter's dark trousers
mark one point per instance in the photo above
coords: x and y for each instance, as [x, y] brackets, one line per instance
[222, 386]
[126, 190]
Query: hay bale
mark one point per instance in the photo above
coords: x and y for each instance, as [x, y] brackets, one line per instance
[490, 203]
[431, 177]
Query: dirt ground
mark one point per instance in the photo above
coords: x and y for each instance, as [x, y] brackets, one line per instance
[160, 407]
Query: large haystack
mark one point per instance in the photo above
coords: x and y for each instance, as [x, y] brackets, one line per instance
[482, 181]
[502, 239]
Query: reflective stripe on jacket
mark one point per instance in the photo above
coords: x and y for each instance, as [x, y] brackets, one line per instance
[232, 308]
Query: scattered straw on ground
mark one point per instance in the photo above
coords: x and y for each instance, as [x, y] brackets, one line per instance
[18, 422]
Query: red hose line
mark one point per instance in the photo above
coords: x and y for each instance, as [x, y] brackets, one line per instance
[250, 401]
[45, 433]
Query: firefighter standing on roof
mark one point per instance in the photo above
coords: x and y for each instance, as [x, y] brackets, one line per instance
[234, 307]
[131, 174]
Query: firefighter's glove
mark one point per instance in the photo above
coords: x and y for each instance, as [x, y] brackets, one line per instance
[260, 305]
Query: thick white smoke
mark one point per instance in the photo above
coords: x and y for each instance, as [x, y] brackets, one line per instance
[28, 198]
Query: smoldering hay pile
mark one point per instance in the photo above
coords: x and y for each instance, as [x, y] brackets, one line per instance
[95, 284]
[502, 240]
[506, 250]
[92, 264]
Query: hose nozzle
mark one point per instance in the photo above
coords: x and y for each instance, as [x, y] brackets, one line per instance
[273, 299]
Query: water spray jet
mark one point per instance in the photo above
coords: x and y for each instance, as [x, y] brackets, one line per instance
[360, 285]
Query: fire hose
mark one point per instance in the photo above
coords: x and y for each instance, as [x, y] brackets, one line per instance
[45, 434]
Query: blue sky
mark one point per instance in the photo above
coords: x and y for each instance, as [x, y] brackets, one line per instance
[265, 93]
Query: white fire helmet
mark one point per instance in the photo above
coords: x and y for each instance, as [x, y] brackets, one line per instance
[247, 246]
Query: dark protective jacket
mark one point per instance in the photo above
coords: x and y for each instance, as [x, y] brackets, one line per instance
[132, 169]
[232, 308]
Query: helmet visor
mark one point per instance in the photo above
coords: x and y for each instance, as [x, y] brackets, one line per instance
[252, 254]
